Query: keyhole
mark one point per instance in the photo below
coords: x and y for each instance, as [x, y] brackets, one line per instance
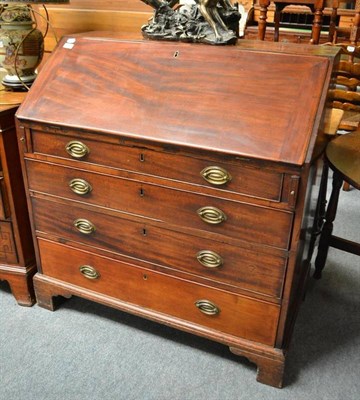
[144, 232]
[176, 54]
[142, 157]
[142, 193]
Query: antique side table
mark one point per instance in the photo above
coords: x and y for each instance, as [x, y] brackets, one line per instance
[17, 259]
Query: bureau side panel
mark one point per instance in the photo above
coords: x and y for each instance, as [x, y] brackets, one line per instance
[299, 263]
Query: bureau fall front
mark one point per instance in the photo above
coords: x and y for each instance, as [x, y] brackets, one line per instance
[173, 182]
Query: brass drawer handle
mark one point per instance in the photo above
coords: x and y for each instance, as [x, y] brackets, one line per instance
[77, 149]
[209, 259]
[84, 226]
[207, 307]
[80, 186]
[216, 175]
[211, 215]
[89, 272]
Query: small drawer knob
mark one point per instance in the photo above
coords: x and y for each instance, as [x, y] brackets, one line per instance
[216, 175]
[84, 226]
[77, 149]
[211, 215]
[80, 186]
[89, 272]
[209, 259]
[207, 307]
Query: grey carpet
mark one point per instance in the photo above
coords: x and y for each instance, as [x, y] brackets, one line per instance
[88, 351]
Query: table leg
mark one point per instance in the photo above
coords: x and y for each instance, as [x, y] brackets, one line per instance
[328, 226]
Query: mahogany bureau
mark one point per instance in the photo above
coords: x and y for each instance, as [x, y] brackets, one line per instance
[17, 258]
[173, 181]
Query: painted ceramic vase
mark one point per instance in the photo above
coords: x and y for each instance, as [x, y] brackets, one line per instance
[21, 46]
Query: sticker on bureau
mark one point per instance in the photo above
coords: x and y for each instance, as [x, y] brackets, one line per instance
[70, 43]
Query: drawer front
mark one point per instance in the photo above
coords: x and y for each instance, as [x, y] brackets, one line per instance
[223, 176]
[238, 220]
[8, 252]
[215, 261]
[225, 312]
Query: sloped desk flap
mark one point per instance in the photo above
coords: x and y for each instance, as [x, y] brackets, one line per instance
[258, 104]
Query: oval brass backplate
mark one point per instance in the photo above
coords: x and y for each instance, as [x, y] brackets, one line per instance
[207, 307]
[89, 272]
[80, 186]
[209, 259]
[216, 175]
[77, 149]
[84, 226]
[211, 215]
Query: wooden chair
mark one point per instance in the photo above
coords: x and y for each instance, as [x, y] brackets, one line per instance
[342, 117]
[351, 33]
[344, 110]
[316, 7]
[346, 93]
[342, 155]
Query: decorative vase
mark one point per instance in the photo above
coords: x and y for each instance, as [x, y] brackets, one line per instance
[21, 47]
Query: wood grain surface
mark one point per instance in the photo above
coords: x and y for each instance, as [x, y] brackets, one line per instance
[179, 100]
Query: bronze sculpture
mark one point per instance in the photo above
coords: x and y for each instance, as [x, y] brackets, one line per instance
[207, 21]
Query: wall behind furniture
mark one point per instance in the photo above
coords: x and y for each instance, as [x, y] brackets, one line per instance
[90, 15]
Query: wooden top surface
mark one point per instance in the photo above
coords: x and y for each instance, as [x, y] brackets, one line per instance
[247, 102]
[343, 153]
[9, 99]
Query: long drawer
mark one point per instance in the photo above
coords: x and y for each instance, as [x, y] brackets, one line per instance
[198, 304]
[230, 218]
[233, 177]
[215, 261]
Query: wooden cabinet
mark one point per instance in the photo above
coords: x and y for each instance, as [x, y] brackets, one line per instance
[173, 181]
[17, 259]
